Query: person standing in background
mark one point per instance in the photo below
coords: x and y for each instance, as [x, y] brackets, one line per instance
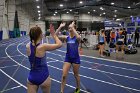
[136, 39]
[102, 41]
[125, 36]
[113, 35]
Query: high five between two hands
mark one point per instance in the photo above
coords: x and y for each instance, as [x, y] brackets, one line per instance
[52, 30]
[71, 25]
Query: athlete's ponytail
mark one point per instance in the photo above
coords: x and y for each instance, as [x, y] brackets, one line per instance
[34, 34]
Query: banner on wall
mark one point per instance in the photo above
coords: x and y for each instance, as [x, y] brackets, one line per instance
[16, 26]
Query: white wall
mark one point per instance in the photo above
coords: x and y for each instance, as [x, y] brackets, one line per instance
[89, 18]
[3, 19]
[81, 17]
[41, 24]
[1, 13]
[24, 19]
[11, 14]
[85, 18]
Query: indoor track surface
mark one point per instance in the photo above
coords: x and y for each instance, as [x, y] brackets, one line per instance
[97, 75]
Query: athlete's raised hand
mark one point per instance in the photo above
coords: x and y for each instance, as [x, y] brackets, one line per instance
[72, 25]
[62, 25]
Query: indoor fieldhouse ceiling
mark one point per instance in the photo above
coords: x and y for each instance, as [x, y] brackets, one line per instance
[104, 8]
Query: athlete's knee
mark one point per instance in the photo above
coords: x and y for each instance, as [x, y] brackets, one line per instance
[64, 77]
[76, 74]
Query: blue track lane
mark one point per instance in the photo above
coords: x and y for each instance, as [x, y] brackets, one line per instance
[97, 75]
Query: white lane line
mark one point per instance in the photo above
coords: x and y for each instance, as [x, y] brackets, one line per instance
[10, 76]
[101, 70]
[130, 91]
[8, 66]
[110, 73]
[17, 64]
[104, 71]
[11, 56]
[82, 85]
[69, 85]
[11, 40]
[7, 43]
[112, 66]
[125, 62]
[10, 89]
[29, 69]
[100, 80]
[13, 79]
[52, 61]
[62, 59]
[13, 74]
[94, 78]
[103, 64]
[15, 41]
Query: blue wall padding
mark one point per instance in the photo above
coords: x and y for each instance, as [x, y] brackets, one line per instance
[1, 35]
[11, 34]
[23, 33]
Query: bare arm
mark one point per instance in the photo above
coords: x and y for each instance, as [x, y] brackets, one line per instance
[50, 47]
[59, 28]
[76, 34]
[74, 31]
[62, 37]
[58, 43]
[28, 49]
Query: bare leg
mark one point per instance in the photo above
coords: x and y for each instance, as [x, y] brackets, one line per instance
[31, 88]
[66, 68]
[122, 49]
[46, 85]
[76, 74]
[102, 49]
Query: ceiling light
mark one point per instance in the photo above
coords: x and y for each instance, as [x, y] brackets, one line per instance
[112, 3]
[39, 11]
[115, 15]
[39, 17]
[67, 12]
[38, 6]
[61, 5]
[115, 10]
[104, 13]
[129, 7]
[70, 10]
[131, 16]
[88, 12]
[56, 12]
[100, 14]
[118, 19]
[39, 14]
[101, 8]
[94, 10]
[81, 2]
[37, 0]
